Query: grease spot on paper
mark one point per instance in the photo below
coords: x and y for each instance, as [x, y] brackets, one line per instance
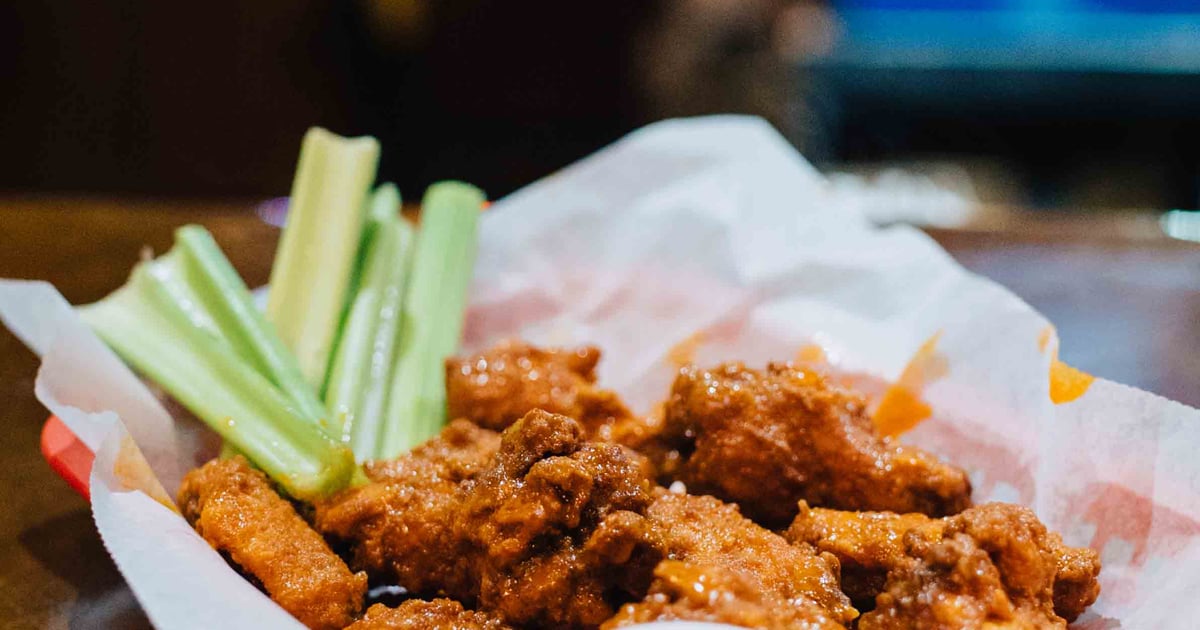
[133, 473]
[1044, 338]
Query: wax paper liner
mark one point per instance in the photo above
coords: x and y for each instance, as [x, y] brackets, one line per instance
[707, 240]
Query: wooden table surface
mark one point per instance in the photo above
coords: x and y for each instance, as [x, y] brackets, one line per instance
[1126, 303]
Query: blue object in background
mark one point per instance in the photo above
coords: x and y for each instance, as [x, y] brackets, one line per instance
[1089, 35]
[1060, 91]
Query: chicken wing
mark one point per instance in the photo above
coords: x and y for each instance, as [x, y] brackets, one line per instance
[234, 508]
[716, 594]
[399, 528]
[548, 532]
[499, 386]
[415, 614]
[705, 532]
[867, 544]
[555, 528]
[993, 562]
[1076, 584]
[768, 439]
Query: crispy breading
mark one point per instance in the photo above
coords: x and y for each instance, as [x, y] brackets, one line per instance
[766, 439]
[717, 594]
[991, 563]
[415, 614]
[706, 532]
[400, 526]
[867, 544]
[1076, 580]
[548, 532]
[499, 386]
[554, 528]
[234, 508]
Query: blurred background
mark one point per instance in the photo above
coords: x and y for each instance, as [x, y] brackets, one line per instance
[1038, 104]
[1052, 145]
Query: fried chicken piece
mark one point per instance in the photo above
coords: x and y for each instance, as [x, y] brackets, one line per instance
[768, 439]
[899, 556]
[1075, 582]
[547, 532]
[499, 386]
[458, 452]
[952, 584]
[867, 544]
[716, 594]
[705, 532]
[554, 529]
[234, 508]
[415, 614]
[400, 526]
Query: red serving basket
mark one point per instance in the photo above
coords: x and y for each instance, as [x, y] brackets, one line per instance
[67, 455]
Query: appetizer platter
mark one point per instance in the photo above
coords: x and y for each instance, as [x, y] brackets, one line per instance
[800, 421]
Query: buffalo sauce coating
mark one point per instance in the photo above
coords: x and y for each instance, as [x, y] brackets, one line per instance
[713, 540]
[415, 614]
[400, 528]
[766, 439]
[717, 594]
[867, 544]
[497, 387]
[234, 508]
[547, 531]
[992, 563]
[554, 530]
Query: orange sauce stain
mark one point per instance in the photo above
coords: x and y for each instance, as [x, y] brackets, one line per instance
[131, 469]
[811, 353]
[901, 407]
[684, 352]
[1067, 383]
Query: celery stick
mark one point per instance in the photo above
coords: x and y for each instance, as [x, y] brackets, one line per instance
[184, 322]
[317, 252]
[201, 275]
[362, 366]
[433, 314]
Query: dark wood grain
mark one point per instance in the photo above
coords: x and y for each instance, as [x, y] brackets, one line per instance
[1126, 308]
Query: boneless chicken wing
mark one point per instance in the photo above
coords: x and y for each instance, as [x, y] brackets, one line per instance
[555, 528]
[994, 563]
[400, 527]
[548, 532]
[685, 591]
[499, 386]
[234, 508]
[415, 614]
[867, 544]
[726, 568]
[766, 439]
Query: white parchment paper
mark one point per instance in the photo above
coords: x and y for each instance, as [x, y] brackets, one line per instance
[711, 233]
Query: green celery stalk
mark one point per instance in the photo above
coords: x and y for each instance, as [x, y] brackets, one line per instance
[186, 322]
[317, 251]
[198, 273]
[433, 314]
[361, 374]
